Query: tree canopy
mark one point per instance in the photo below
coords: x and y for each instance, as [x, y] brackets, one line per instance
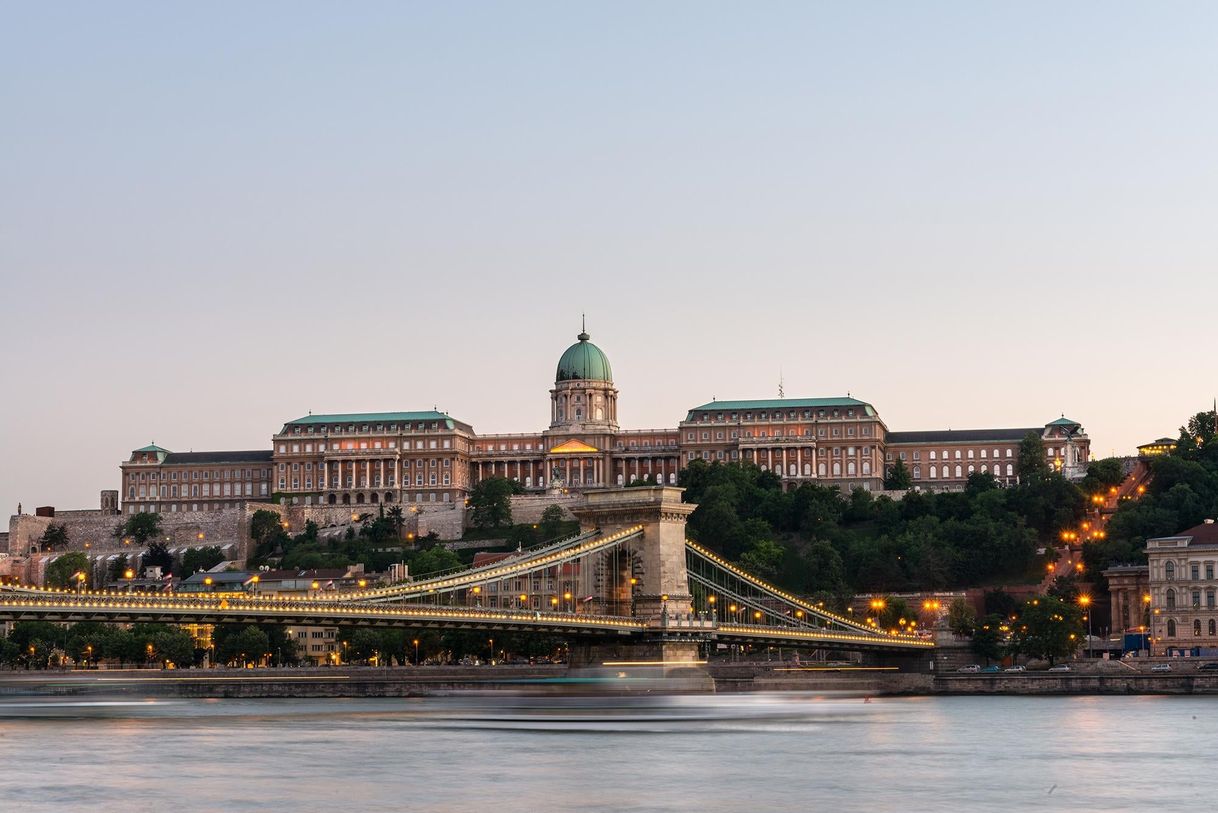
[815, 539]
[140, 527]
[491, 502]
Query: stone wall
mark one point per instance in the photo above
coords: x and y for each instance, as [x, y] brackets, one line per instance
[446, 519]
[529, 507]
[93, 531]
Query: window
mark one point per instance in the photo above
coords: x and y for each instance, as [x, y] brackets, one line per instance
[959, 471]
[934, 472]
[1171, 628]
[1169, 573]
[1209, 571]
[1194, 571]
[1171, 599]
[1209, 599]
[1196, 627]
[1213, 628]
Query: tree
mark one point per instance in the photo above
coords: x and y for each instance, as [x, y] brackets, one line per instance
[197, 559]
[240, 645]
[140, 527]
[434, 560]
[552, 520]
[961, 618]
[157, 555]
[491, 501]
[55, 537]
[117, 569]
[763, 558]
[62, 572]
[989, 638]
[1030, 464]
[898, 477]
[894, 612]
[1047, 628]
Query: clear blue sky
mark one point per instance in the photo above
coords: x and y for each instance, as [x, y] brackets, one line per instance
[217, 217]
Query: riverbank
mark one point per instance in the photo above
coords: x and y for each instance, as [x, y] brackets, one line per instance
[349, 682]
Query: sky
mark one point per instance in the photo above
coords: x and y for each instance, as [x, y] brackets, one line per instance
[215, 218]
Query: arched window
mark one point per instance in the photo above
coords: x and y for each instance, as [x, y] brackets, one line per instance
[850, 468]
[866, 467]
[807, 469]
[1196, 627]
[820, 468]
[959, 471]
[934, 472]
[1213, 628]
[1171, 628]
[1169, 572]
[837, 469]
[985, 469]
[792, 470]
[972, 469]
[1171, 598]
[917, 472]
[1010, 468]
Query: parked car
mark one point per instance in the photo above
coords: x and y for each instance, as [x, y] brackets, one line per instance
[1015, 669]
[991, 669]
[1161, 667]
[972, 667]
[1212, 666]
[1061, 667]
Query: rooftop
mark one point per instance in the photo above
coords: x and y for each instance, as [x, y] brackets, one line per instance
[375, 417]
[961, 435]
[1204, 534]
[248, 456]
[785, 403]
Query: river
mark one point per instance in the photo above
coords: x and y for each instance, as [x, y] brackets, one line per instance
[786, 752]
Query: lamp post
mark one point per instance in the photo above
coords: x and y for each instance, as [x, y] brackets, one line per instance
[416, 651]
[1084, 601]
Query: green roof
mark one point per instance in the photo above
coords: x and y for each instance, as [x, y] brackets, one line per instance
[374, 417]
[584, 361]
[152, 447]
[784, 403]
[1063, 421]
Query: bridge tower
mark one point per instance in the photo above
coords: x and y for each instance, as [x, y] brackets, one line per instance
[653, 584]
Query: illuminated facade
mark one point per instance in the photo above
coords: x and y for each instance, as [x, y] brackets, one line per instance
[429, 457]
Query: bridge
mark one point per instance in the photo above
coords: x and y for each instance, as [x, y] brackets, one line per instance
[629, 587]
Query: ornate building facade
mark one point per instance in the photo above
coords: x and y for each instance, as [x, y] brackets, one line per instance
[430, 457]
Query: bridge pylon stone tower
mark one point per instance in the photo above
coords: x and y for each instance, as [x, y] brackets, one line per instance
[652, 584]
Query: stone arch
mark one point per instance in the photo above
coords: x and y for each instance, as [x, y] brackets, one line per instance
[359, 498]
[346, 499]
[388, 496]
[332, 499]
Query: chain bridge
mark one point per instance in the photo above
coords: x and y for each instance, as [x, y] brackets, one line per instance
[629, 588]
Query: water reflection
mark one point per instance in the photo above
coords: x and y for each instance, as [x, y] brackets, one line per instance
[643, 752]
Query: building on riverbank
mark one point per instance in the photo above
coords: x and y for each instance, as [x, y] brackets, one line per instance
[1183, 589]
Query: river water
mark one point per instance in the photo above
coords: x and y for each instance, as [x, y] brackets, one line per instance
[786, 752]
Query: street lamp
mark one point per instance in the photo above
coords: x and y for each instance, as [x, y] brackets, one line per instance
[416, 651]
[1084, 601]
[567, 598]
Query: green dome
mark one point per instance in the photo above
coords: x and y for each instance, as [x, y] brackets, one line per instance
[584, 361]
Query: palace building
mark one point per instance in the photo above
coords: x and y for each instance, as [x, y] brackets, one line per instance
[429, 457]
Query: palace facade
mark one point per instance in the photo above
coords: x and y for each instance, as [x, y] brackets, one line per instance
[429, 457]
